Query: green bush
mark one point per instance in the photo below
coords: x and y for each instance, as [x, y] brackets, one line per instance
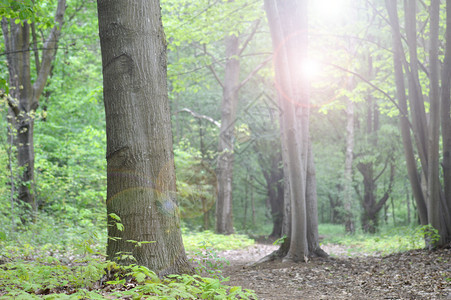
[387, 241]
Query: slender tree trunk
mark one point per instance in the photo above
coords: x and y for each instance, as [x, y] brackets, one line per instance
[446, 121]
[252, 203]
[140, 165]
[393, 210]
[205, 210]
[432, 205]
[415, 98]
[403, 114]
[408, 204]
[434, 123]
[273, 175]
[347, 190]
[312, 207]
[245, 203]
[224, 216]
[24, 94]
[276, 201]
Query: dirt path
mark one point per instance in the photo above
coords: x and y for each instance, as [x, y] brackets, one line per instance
[415, 274]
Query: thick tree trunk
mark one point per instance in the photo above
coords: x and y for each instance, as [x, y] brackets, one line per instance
[140, 164]
[224, 216]
[24, 94]
[288, 26]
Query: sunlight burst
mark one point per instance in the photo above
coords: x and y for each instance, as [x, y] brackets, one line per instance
[310, 69]
[329, 9]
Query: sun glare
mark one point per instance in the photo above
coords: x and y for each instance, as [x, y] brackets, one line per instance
[310, 69]
[329, 9]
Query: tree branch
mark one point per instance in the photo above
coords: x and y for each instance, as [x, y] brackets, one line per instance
[249, 38]
[215, 75]
[384, 199]
[251, 74]
[35, 47]
[374, 87]
[383, 170]
[12, 103]
[198, 116]
[48, 55]
[210, 66]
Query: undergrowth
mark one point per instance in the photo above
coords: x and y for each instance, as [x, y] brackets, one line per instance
[52, 270]
[192, 240]
[384, 242]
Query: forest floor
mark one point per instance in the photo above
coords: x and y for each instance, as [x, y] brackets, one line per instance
[416, 274]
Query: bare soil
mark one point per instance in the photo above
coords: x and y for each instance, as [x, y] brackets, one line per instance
[417, 274]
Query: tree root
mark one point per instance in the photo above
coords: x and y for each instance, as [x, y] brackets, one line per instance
[281, 254]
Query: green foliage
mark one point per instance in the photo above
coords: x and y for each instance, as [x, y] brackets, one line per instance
[207, 261]
[195, 184]
[387, 241]
[429, 233]
[28, 271]
[280, 241]
[221, 242]
[32, 270]
[203, 246]
[22, 10]
[29, 279]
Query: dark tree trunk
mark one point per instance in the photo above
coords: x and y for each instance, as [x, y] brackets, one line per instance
[372, 206]
[274, 185]
[24, 94]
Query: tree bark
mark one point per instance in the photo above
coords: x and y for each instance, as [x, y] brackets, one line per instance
[446, 119]
[274, 184]
[415, 98]
[347, 189]
[435, 209]
[224, 215]
[140, 166]
[312, 207]
[269, 160]
[288, 26]
[434, 122]
[24, 94]
[371, 206]
[403, 114]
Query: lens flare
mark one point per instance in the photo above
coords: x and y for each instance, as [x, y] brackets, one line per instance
[310, 69]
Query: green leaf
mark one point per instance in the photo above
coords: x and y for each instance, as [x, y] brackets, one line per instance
[120, 227]
[114, 216]
[140, 277]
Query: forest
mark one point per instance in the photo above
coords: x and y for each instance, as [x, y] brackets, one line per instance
[225, 149]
